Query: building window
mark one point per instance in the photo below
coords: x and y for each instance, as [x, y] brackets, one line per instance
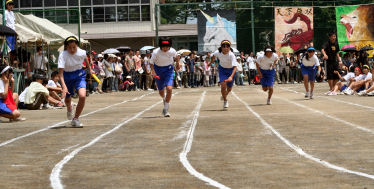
[122, 1]
[74, 18]
[37, 3]
[145, 1]
[134, 1]
[61, 17]
[98, 14]
[72, 2]
[61, 3]
[85, 2]
[134, 13]
[146, 14]
[123, 13]
[97, 2]
[106, 2]
[110, 14]
[49, 3]
[86, 13]
[25, 3]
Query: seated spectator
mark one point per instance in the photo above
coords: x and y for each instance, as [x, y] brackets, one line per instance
[8, 99]
[361, 85]
[349, 78]
[128, 85]
[21, 104]
[37, 94]
[370, 91]
[54, 88]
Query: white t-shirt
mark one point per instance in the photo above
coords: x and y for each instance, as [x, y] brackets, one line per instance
[349, 76]
[365, 77]
[226, 60]
[311, 62]
[359, 78]
[265, 63]
[251, 63]
[40, 62]
[161, 58]
[71, 63]
[22, 95]
[10, 19]
[51, 83]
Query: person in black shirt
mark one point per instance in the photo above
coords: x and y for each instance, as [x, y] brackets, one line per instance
[330, 51]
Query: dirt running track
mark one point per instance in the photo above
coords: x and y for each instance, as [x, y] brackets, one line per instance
[327, 142]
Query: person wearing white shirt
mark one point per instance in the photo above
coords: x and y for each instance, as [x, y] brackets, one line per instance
[362, 86]
[309, 66]
[349, 78]
[266, 70]
[252, 68]
[73, 77]
[227, 69]
[40, 61]
[370, 91]
[10, 23]
[162, 62]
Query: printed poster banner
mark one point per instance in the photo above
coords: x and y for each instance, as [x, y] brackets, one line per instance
[293, 28]
[214, 27]
[355, 26]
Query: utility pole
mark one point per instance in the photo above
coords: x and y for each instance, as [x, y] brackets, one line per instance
[253, 29]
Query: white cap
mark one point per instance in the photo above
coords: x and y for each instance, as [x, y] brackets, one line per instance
[119, 58]
[112, 56]
[100, 56]
[268, 50]
[128, 77]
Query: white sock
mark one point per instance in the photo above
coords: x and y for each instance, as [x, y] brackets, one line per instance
[166, 107]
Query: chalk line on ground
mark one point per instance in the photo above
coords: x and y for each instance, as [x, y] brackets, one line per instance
[188, 144]
[63, 122]
[298, 149]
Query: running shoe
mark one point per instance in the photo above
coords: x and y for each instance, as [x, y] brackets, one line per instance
[350, 92]
[225, 104]
[269, 102]
[327, 93]
[76, 123]
[165, 113]
[17, 119]
[311, 95]
[362, 93]
[332, 94]
[371, 93]
[306, 94]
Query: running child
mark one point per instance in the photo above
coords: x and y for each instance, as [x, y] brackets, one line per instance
[309, 65]
[162, 67]
[266, 70]
[227, 69]
[73, 77]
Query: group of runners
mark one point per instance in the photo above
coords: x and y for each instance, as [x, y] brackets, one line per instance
[72, 75]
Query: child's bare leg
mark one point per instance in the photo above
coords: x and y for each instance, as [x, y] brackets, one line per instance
[224, 91]
[270, 92]
[169, 92]
[81, 102]
[68, 104]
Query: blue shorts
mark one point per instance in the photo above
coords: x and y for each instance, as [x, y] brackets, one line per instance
[11, 42]
[310, 71]
[166, 76]
[74, 80]
[267, 79]
[362, 88]
[343, 88]
[225, 73]
[4, 108]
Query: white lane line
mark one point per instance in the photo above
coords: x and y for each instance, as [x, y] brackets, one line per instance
[299, 150]
[188, 144]
[63, 122]
[56, 171]
[359, 127]
[67, 149]
[336, 100]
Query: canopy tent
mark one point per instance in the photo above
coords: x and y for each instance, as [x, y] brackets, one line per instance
[51, 32]
[26, 35]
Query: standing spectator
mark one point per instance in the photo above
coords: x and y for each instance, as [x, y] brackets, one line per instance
[107, 83]
[138, 69]
[183, 65]
[10, 21]
[191, 70]
[330, 51]
[118, 73]
[239, 72]
[252, 68]
[40, 62]
[148, 71]
[293, 69]
[198, 72]
[130, 64]
[207, 73]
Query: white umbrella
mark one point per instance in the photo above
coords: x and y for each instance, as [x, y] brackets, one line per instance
[147, 48]
[235, 51]
[184, 52]
[111, 51]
